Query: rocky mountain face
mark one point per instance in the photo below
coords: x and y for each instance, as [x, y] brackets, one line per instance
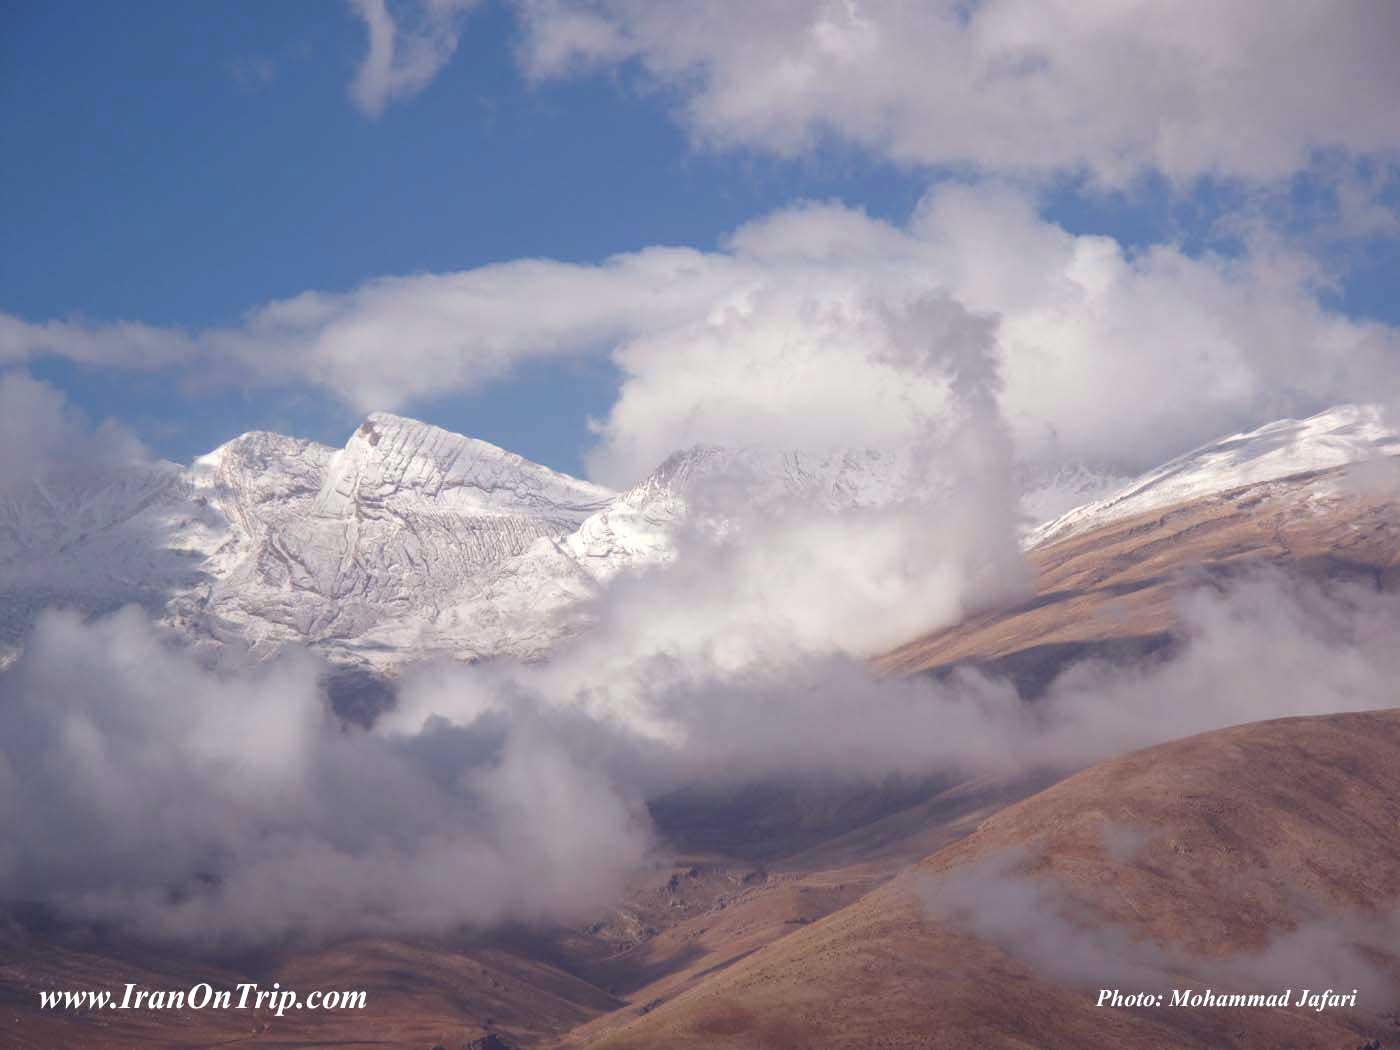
[408, 542]
[362, 551]
[270, 539]
[412, 541]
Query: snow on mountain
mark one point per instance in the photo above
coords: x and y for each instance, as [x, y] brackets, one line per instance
[1340, 436]
[358, 551]
[411, 541]
[1045, 496]
[528, 603]
[270, 540]
[93, 535]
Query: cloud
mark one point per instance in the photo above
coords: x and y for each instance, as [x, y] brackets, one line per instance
[1113, 357]
[406, 51]
[398, 338]
[1108, 357]
[141, 785]
[1268, 647]
[121, 344]
[1037, 919]
[1005, 86]
[40, 431]
[81, 522]
[226, 805]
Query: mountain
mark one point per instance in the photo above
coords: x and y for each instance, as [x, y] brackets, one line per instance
[1341, 435]
[840, 914]
[411, 541]
[1111, 586]
[1246, 860]
[408, 542]
[269, 539]
[527, 603]
[361, 550]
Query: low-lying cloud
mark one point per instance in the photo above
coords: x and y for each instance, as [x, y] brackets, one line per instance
[218, 804]
[1035, 919]
[164, 797]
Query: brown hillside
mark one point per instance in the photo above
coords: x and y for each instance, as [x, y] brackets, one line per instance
[1234, 839]
[1112, 591]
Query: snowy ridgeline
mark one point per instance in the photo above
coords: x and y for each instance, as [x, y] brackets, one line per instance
[1344, 435]
[412, 541]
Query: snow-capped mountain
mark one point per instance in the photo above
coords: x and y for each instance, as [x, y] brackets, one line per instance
[359, 551]
[412, 541]
[529, 602]
[1340, 436]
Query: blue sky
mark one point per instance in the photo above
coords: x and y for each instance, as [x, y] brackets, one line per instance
[184, 168]
[182, 164]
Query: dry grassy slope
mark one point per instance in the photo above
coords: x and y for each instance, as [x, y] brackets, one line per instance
[679, 927]
[705, 926]
[1119, 582]
[1239, 826]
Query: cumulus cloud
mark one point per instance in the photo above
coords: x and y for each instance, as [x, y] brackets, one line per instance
[1267, 647]
[40, 431]
[738, 690]
[1109, 357]
[1113, 357]
[407, 48]
[67, 485]
[1112, 89]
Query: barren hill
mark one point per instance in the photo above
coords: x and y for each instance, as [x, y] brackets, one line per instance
[1242, 860]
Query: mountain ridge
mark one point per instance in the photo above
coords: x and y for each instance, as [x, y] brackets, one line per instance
[411, 541]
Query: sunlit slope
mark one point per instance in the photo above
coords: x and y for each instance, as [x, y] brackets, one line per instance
[1228, 860]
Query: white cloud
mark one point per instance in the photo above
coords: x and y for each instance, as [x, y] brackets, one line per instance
[1109, 87]
[1106, 355]
[122, 344]
[1011, 900]
[398, 338]
[406, 50]
[229, 806]
[42, 435]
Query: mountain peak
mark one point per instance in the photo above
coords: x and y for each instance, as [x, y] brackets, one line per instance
[390, 460]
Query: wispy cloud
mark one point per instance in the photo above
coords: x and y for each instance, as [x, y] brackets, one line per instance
[254, 72]
[407, 48]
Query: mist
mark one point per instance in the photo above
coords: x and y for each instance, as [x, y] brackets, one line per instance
[1043, 924]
